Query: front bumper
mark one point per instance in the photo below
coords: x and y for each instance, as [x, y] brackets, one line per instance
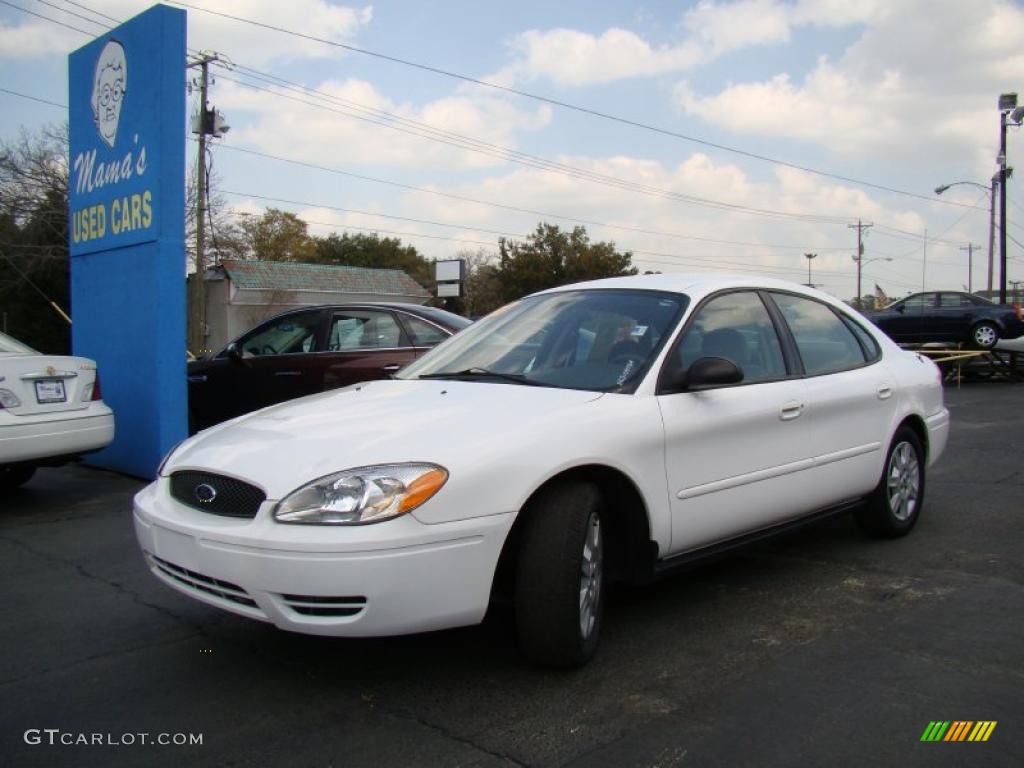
[391, 578]
[62, 433]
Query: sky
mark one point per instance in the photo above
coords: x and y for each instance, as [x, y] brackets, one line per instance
[708, 136]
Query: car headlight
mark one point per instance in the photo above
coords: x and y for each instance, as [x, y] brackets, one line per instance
[363, 495]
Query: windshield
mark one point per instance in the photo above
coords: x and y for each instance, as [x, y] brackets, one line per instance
[600, 339]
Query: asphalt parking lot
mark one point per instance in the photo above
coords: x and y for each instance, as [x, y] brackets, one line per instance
[824, 648]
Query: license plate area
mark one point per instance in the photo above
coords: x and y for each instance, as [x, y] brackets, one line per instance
[50, 391]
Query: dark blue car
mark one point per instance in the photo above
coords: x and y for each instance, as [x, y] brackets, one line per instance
[948, 316]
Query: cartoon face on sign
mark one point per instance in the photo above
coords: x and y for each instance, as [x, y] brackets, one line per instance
[109, 85]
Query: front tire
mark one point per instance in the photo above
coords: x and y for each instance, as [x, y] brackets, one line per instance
[895, 504]
[985, 335]
[559, 593]
[13, 476]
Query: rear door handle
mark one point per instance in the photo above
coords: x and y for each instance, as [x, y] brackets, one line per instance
[791, 411]
[391, 368]
[884, 392]
[198, 378]
[287, 373]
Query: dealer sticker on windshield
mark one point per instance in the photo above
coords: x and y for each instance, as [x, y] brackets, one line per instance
[50, 391]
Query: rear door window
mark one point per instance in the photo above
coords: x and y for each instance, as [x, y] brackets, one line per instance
[826, 344]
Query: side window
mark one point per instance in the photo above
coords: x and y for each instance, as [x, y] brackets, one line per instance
[288, 335]
[424, 334]
[736, 326]
[363, 329]
[867, 341]
[825, 343]
[919, 301]
[957, 300]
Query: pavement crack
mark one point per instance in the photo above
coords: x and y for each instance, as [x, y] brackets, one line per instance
[115, 585]
[448, 734]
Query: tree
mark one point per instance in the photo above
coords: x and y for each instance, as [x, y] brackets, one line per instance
[551, 257]
[482, 288]
[33, 238]
[275, 236]
[375, 252]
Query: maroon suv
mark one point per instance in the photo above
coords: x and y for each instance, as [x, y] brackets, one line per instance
[309, 350]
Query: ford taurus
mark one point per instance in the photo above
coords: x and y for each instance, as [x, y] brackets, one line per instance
[602, 431]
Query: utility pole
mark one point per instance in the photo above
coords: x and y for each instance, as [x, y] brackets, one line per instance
[970, 265]
[924, 260]
[860, 227]
[204, 126]
[992, 231]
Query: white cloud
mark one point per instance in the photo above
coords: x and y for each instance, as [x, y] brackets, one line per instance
[34, 38]
[712, 29]
[880, 96]
[725, 27]
[350, 132]
[570, 57]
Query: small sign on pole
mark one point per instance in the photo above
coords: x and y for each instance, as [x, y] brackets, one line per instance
[449, 275]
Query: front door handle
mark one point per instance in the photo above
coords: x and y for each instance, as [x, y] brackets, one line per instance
[791, 411]
[287, 373]
[391, 368]
[198, 378]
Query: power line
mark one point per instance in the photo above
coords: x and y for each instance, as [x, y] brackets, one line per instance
[472, 227]
[34, 98]
[422, 130]
[563, 104]
[44, 18]
[72, 13]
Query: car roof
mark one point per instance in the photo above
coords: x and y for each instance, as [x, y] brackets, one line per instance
[695, 284]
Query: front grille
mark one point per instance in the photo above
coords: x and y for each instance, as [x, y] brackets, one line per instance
[316, 605]
[211, 586]
[229, 497]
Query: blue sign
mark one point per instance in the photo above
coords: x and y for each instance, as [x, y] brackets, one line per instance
[126, 230]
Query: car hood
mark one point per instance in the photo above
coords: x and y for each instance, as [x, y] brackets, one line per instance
[444, 422]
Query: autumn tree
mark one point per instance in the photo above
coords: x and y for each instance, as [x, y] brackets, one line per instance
[34, 267]
[274, 236]
[551, 257]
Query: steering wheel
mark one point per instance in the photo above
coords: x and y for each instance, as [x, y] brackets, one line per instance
[268, 350]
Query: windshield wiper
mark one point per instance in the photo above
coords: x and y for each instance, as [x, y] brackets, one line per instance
[482, 373]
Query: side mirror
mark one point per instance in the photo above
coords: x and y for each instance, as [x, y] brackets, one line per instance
[901, 308]
[234, 352]
[704, 373]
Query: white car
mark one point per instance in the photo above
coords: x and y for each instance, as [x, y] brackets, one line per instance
[51, 410]
[599, 431]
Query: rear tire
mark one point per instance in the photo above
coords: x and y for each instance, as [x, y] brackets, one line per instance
[895, 504]
[13, 476]
[559, 588]
[985, 335]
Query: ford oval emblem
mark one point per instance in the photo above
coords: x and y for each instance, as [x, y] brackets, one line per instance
[205, 493]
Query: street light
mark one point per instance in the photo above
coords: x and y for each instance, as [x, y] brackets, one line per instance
[1008, 112]
[861, 261]
[809, 256]
[991, 217]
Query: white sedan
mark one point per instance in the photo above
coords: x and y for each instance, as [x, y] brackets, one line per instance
[51, 410]
[602, 431]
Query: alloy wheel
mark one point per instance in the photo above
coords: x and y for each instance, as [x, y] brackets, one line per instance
[904, 481]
